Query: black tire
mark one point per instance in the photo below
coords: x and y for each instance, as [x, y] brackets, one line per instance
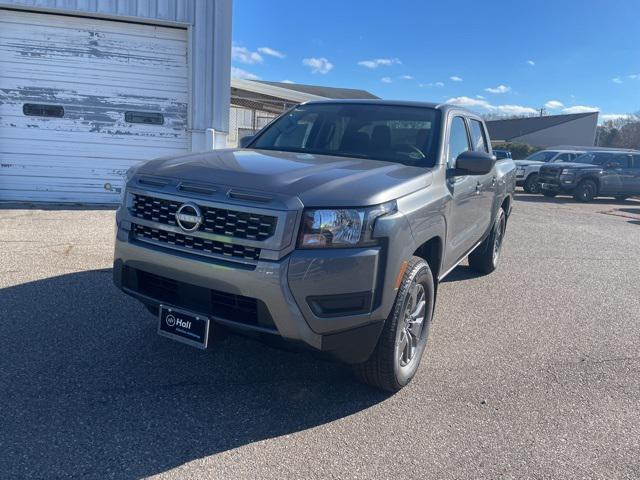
[385, 369]
[548, 193]
[531, 184]
[585, 191]
[621, 198]
[485, 258]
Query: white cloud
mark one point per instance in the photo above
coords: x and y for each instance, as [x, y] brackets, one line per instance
[406, 77]
[616, 80]
[386, 80]
[480, 97]
[482, 104]
[379, 62]
[580, 109]
[439, 84]
[455, 78]
[634, 77]
[431, 84]
[318, 65]
[240, 73]
[244, 55]
[553, 104]
[531, 62]
[287, 81]
[617, 116]
[271, 52]
[498, 89]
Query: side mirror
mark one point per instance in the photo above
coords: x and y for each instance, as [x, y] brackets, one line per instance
[474, 163]
[246, 140]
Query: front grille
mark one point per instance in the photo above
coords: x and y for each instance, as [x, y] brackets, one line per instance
[220, 221]
[228, 306]
[197, 244]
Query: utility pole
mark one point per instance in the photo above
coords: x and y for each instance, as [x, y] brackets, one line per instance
[543, 112]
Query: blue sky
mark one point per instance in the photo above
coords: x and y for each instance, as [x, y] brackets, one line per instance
[498, 56]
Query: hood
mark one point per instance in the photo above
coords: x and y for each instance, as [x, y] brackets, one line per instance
[524, 163]
[317, 180]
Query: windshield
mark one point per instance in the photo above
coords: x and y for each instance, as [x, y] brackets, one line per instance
[400, 134]
[594, 158]
[544, 156]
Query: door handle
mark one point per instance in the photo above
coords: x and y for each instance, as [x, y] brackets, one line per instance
[478, 188]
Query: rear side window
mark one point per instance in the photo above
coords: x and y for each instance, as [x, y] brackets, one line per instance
[458, 141]
[478, 137]
[42, 110]
[563, 157]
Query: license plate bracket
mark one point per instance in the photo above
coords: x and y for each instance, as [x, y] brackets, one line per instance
[184, 326]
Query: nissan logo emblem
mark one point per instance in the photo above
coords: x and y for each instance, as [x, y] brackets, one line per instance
[189, 217]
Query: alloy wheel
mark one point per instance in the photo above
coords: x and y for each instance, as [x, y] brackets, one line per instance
[413, 325]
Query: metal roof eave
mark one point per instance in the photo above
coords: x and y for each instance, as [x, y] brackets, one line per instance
[273, 91]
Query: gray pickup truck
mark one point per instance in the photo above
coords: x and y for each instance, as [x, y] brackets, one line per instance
[332, 229]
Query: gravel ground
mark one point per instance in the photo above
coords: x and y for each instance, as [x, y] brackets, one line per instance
[531, 372]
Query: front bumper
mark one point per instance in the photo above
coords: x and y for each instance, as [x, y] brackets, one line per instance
[557, 184]
[329, 300]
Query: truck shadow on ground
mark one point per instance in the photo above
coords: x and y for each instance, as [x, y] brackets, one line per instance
[90, 390]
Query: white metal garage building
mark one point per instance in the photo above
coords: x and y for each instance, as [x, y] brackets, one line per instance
[88, 88]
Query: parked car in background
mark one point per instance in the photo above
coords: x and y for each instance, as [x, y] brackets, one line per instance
[527, 169]
[501, 154]
[332, 229]
[594, 174]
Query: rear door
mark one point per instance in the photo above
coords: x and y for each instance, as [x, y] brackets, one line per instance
[487, 183]
[633, 185]
[463, 224]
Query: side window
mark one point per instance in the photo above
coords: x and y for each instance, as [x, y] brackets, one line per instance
[458, 141]
[622, 161]
[478, 137]
[636, 161]
[563, 157]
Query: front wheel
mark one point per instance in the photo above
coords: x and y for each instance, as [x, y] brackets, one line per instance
[397, 355]
[485, 258]
[585, 191]
[531, 185]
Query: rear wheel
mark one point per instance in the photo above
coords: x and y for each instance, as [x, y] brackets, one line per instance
[485, 258]
[397, 355]
[585, 191]
[531, 185]
[549, 193]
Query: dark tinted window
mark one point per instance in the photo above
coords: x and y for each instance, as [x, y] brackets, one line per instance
[636, 161]
[458, 141]
[41, 110]
[400, 134]
[595, 158]
[150, 118]
[621, 161]
[478, 137]
[563, 157]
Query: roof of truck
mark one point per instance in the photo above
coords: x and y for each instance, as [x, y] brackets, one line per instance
[399, 103]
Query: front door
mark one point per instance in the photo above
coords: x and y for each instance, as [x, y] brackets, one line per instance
[634, 178]
[616, 175]
[465, 194]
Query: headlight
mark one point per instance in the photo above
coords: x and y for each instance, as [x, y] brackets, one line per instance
[565, 171]
[340, 227]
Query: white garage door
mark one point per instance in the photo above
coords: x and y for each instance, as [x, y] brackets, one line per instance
[83, 99]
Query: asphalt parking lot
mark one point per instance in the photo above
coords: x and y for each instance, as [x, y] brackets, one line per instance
[531, 372]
